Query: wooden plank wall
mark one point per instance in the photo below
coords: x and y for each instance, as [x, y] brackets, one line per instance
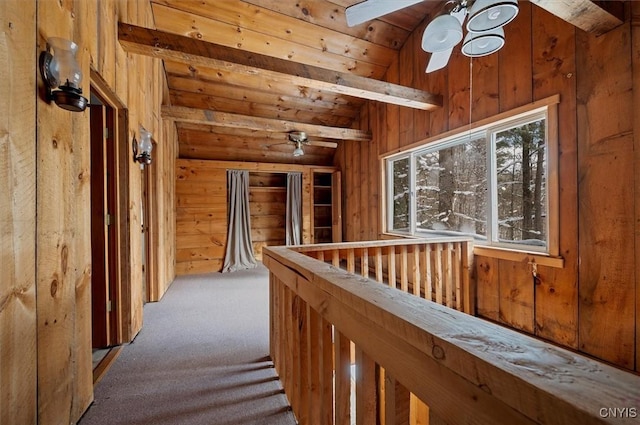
[201, 216]
[45, 205]
[201, 209]
[575, 305]
[18, 331]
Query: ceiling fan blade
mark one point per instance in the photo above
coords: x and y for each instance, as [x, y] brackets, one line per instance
[332, 145]
[438, 60]
[371, 9]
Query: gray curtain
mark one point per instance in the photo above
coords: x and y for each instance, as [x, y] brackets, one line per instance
[294, 208]
[239, 254]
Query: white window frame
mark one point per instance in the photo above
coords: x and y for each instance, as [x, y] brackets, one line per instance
[545, 109]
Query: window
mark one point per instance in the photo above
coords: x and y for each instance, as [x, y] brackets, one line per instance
[491, 182]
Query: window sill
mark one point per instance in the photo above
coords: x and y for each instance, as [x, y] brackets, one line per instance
[519, 256]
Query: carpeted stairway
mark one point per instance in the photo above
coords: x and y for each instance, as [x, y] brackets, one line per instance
[201, 358]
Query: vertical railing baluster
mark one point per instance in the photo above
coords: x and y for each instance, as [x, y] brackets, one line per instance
[314, 324]
[379, 274]
[448, 275]
[321, 256]
[364, 263]
[328, 368]
[391, 266]
[397, 402]
[273, 319]
[305, 372]
[455, 259]
[365, 389]
[335, 257]
[287, 349]
[343, 379]
[416, 270]
[404, 269]
[428, 278]
[351, 260]
[295, 355]
[468, 290]
[438, 272]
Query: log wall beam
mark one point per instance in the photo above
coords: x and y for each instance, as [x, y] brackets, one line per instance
[225, 119]
[191, 51]
[594, 17]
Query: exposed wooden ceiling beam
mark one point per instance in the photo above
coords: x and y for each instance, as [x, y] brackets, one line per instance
[585, 14]
[208, 117]
[188, 50]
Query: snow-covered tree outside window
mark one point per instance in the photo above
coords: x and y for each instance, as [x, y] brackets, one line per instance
[490, 183]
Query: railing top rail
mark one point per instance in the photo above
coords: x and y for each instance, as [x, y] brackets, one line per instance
[454, 361]
[375, 244]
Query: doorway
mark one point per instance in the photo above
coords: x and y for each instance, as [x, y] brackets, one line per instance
[104, 261]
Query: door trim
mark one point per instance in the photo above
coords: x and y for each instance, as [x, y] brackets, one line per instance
[122, 282]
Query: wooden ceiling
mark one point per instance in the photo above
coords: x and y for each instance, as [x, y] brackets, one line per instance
[244, 73]
[252, 111]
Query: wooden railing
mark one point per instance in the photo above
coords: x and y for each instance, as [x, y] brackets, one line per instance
[434, 269]
[324, 319]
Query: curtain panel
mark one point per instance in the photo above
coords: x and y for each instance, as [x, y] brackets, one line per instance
[294, 209]
[239, 253]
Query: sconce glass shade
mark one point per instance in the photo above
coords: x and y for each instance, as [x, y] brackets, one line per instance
[486, 15]
[298, 150]
[64, 66]
[477, 44]
[142, 148]
[62, 74]
[443, 33]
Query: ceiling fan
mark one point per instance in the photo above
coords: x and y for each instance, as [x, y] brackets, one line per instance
[485, 34]
[300, 139]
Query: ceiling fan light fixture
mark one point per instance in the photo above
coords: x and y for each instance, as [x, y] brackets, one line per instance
[487, 15]
[298, 150]
[443, 33]
[484, 43]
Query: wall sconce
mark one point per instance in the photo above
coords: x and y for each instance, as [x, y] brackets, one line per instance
[142, 148]
[62, 74]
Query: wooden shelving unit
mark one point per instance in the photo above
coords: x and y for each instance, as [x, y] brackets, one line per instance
[326, 207]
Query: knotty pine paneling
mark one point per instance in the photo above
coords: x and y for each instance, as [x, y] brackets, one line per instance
[606, 215]
[46, 374]
[18, 315]
[554, 72]
[63, 244]
[575, 305]
[201, 209]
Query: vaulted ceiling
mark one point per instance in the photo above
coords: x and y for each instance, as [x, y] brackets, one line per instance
[243, 74]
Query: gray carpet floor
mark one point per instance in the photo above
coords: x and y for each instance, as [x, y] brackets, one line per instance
[200, 358]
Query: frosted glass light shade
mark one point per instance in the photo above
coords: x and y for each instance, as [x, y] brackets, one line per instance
[486, 15]
[443, 33]
[477, 44]
[298, 150]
